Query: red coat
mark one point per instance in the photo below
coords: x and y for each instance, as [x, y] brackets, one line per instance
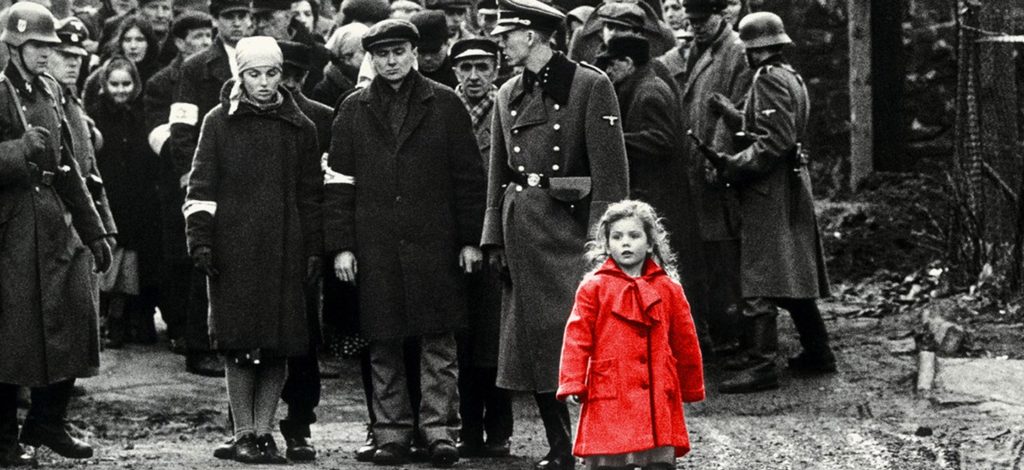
[631, 353]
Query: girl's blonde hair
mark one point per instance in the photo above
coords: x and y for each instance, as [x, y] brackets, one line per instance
[597, 248]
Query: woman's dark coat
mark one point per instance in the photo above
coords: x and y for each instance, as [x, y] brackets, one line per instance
[261, 170]
[130, 171]
[48, 296]
[418, 198]
[338, 80]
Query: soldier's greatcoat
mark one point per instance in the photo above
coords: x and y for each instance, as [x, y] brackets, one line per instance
[780, 247]
[565, 125]
[48, 300]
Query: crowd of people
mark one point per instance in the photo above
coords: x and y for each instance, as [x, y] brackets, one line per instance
[471, 198]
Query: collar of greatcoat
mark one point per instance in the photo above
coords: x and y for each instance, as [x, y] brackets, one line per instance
[288, 111]
[555, 80]
[636, 297]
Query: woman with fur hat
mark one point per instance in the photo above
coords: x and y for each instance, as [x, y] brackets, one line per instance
[255, 232]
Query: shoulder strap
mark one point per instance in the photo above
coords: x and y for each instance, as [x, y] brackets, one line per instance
[16, 100]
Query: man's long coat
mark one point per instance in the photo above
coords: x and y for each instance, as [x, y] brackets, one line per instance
[416, 199]
[48, 297]
[543, 231]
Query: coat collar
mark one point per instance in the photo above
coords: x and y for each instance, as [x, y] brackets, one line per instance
[420, 96]
[627, 89]
[708, 55]
[217, 62]
[635, 300]
[25, 87]
[555, 79]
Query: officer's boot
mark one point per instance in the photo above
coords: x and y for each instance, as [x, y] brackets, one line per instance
[45, 426]
[761, 374]
[12, 454]
[742, 359]
[817, 356]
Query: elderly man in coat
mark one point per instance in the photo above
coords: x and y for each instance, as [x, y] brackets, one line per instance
[404, 194]
[781, 258]
[557, 160]
[48, 301]
[719, 73]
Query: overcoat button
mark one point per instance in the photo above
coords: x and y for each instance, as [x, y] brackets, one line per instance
[644, 386]
[516, 149]
[557, 107]
[557, 149]
[555, 167]
[513, 113]
[522, 168]
[398, 198]
[519, 188]
[558, 127]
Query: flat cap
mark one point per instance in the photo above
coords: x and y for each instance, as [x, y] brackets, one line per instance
[73, 34]
[634, 47]
[390, 32]
[474, 48]
[271, 5]
[219, 7]
[188, 21]
[296, 54]
[448, 4]
[365, 11]
[527, 14]
[433, 29]
[703, 8]
[629, 15]
[407, 7]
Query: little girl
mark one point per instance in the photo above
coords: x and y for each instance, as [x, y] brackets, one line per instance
[630, 353]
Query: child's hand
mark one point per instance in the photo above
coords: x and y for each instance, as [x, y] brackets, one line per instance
[574, 399]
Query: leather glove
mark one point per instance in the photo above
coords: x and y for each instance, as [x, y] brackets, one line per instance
[202, 258]
[100, 254]
[314, 269]
[37, 139]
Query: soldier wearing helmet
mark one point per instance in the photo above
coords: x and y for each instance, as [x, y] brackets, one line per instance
[781, 258]
[48, 311]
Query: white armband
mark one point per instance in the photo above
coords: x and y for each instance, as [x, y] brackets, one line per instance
[184, 113]
[333, 177]
[194, 206]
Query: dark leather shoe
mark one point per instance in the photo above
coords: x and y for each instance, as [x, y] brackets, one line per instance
[443, 454]
[268, 450]
[300, 449]
[204, 364]
[56, 437]
[17, 456]
[556, 462]
[391, 454]
[808, 363]
[225, 451]
[365, 452]
[471, 448]
[247, 451]
[755, 379]
[497, 449]
[419, 453]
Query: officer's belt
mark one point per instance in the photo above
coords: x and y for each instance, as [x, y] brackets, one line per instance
[534, 180]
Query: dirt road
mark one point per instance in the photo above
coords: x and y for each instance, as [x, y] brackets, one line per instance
[144, 412]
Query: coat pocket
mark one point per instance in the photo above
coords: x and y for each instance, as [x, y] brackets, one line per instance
[569, 188]
[601, 380]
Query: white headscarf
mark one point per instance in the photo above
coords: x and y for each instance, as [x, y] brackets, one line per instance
[251, 52]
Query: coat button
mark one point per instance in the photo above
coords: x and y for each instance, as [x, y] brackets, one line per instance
[555, 167]
[515, 132]
[521, 168]
[558, 127]
[516, 149]
[645, 386]
[519, 188]
[557, 107]
[643, 360]
[557, 148]
[513, 113]
[398, 199]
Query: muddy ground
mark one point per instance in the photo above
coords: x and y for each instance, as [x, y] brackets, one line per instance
[145, 412]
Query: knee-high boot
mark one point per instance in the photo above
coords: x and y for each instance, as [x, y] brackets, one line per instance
[45, 425]
[817, 356]
[555, 416]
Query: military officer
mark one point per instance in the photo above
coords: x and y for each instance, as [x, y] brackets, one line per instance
[48, 301]
[557, 160]
[781, 259]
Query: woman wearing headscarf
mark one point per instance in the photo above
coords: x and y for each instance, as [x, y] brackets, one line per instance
[252, 216]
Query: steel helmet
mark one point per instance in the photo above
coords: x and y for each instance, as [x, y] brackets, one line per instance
[29, 21]
[763, 29]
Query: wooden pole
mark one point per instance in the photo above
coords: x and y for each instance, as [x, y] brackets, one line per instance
[861, 118]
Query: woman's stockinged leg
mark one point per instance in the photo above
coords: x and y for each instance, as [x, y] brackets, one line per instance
[270, 381]
[241, 382]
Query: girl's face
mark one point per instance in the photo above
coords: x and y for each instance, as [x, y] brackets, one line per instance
[628, 244]
[120, 86]
[134, 45]
[261, 82]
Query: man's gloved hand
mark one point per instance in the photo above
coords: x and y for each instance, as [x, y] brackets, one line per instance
[37, 139]
[100, 254]
[314, 269]
[202, 258]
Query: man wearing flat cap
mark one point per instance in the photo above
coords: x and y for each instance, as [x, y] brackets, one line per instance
[455, 14]
[275, 18]
[484, 407]
[717, 72]
[557, 160]
[404, 195]
[196, 93]
[432, 49]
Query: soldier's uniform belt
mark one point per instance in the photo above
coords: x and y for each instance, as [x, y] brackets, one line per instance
[534, 180]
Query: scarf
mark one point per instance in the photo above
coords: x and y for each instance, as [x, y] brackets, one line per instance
[478, 112]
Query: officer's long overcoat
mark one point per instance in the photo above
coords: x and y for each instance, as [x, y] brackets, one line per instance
[260, 170]
[572, 128]
[48, 298]
[417, 199]
[780, 246]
